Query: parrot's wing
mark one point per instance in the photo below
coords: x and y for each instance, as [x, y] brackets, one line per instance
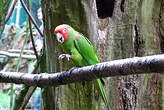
[85, 48]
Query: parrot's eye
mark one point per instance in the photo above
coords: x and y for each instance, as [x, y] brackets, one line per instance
[64, 30]
[60, 37]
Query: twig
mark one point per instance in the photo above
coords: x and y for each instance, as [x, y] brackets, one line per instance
[26, 92]
[31, 35]
[31, 18]
[10, 10]
[16, 55]
[136, 65]
[27, 97]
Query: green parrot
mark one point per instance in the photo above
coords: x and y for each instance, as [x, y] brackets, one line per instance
[80, 50]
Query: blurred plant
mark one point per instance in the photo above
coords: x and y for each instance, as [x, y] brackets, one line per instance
[14, 38]
[3, 12]
[4, 103]
[17, 38]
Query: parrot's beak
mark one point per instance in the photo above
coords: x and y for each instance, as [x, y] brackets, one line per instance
[60, 37]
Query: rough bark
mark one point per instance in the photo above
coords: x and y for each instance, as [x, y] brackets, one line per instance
[148, 28]
[133, 31]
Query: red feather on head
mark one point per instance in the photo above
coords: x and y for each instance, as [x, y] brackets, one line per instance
[62, 29]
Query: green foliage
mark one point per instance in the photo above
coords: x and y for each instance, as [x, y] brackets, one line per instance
[5, 100]
[3, 11]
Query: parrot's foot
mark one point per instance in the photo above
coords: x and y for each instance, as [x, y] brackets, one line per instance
[71, 69]
[64, 56]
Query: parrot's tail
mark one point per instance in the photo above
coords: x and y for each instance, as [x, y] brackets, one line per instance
[101, 90]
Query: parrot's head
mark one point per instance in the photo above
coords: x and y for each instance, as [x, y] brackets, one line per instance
[62, 32]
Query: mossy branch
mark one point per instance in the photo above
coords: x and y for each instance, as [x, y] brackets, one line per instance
[136, 65]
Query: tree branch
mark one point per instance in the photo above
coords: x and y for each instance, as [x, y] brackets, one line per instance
[136, 65]
[18, 51]
[16, 55]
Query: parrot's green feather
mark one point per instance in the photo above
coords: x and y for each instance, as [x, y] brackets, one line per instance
[102, 92]
[84, 47]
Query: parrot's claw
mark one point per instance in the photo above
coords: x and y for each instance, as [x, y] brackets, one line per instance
[64, 56]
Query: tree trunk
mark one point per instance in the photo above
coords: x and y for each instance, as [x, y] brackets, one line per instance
[134, 30]
[79, 96]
